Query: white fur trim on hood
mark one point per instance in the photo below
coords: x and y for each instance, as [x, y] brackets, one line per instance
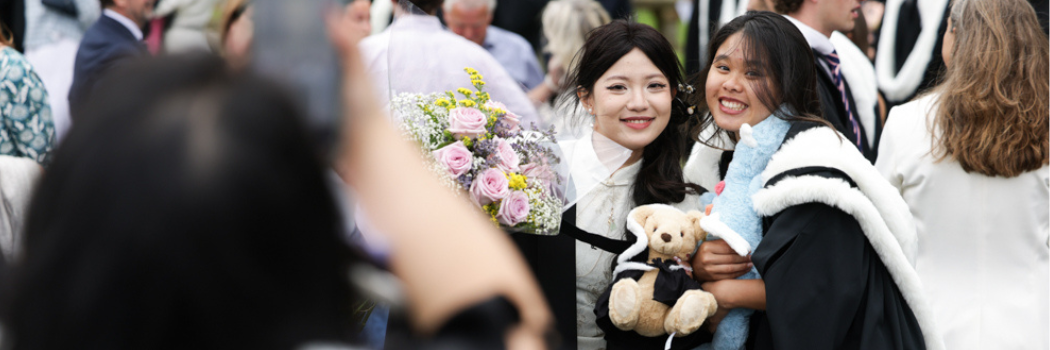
[714, 226]
[821, 146]
[881, 212]
[898, 87]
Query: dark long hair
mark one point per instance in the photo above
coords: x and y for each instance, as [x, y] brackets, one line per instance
[782, 54]
[660, 179]
[186, 209]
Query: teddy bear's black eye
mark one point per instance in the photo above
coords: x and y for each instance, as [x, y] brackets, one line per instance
[681, 234]
[656, 228]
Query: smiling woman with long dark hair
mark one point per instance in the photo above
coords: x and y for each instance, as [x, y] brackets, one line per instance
[626, 79]
[835, 237]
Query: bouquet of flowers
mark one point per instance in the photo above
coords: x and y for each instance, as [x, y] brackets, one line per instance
[477, 146]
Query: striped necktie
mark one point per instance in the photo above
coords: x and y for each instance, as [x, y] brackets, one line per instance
[832, 60]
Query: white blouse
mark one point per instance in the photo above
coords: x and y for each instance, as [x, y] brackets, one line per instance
[984, 241]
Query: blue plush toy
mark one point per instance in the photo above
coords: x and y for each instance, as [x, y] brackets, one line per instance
[733, 217]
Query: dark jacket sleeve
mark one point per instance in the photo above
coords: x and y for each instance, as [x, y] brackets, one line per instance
[826, 288]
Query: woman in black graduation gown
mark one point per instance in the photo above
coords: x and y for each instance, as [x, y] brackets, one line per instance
[834, 257]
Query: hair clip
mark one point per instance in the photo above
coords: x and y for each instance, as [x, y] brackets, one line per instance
[686, 88]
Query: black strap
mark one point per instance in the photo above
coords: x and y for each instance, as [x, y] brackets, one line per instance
[569, 228]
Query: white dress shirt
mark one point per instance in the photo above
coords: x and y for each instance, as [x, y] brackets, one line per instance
[416, 55]
[984, 241]
[856, 70]
[126, 22]
[817, 41]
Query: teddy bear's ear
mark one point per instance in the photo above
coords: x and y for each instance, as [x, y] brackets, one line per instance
[694, 221]
[641, 214]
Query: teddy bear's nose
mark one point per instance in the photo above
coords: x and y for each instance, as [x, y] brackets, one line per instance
[666, 237]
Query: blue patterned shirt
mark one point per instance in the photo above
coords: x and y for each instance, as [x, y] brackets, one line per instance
[26, 129]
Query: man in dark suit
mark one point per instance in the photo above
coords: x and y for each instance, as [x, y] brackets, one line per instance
[817, 20]
[114, 39]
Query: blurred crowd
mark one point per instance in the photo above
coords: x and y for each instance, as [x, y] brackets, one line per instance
[159, 191]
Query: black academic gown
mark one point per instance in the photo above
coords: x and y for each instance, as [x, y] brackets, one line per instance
[834, 111]
[826, 288]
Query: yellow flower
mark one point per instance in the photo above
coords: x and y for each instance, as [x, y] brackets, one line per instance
[464, 91]
[441, 102]
[466, 141]
[517, 181]
[471, 71]
[467, 103]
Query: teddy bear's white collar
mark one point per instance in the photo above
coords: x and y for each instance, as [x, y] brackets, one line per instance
[641, 243]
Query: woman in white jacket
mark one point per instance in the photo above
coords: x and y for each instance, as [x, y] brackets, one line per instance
[970, 159]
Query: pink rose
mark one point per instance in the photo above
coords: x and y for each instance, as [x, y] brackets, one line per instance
[466, 122]
[509, 121]
[540, 172]
[489, 186]
[514, 209]
[456, 158]
[508, 159]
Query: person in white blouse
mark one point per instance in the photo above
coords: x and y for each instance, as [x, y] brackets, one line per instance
[970, 159]
[627, 153]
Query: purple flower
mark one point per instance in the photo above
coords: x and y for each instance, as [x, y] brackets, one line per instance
[456, 158]
[489, 187]
[514, 209]
[508, 158]
[466, 122]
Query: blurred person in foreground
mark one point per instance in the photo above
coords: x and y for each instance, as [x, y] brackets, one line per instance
[112, 41]
[26, 126]
[970, 159]
[416, 55]
[193, 213]
[472, 19]
[358, 12]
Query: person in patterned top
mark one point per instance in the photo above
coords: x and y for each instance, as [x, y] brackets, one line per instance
[26, 128]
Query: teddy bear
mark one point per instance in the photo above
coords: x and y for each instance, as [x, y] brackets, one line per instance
[658, 297]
